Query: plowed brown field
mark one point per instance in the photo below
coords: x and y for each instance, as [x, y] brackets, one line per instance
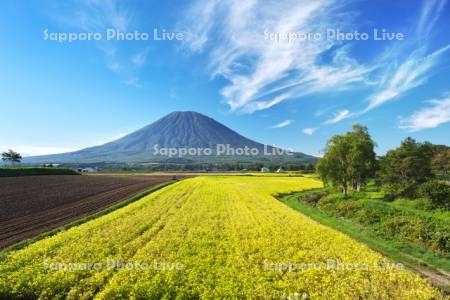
[35, 204]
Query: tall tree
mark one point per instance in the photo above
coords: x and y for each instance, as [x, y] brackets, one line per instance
[441, 163]
[11, 156]
[404, 168]
[362, 156]
[349, 159]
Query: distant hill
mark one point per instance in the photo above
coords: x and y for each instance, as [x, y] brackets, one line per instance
[176, 130]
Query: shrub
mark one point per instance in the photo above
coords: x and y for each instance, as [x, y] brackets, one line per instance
[328, 203]
[441, 240]
[438, 192]
[392, 191]
[311, 198]
[395, 190]
[346, 208]
[368, 216]
[393, 226]
[420, 203]
[391, 221]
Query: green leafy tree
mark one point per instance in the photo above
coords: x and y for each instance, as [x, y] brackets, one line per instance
[404, 168]
[334, 167]
[441, 163]
[12, 157]
[438, 192]
[309, 167]
[362, 156]
[349, 159]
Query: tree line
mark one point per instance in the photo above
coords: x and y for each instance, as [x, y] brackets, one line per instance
[412, 170]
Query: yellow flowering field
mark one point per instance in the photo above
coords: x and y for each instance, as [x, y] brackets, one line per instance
[210, 237]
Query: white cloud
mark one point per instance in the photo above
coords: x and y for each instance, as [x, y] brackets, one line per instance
[282, 124]
[140, 58]
[428, 117]
[413, 72]
[106, 140]
[309, 131]
[430, 13]
[133, 81]
[119, 136]
[30, 150]
[94, 15]
[98, 16]
[339, 116]
[25, 150]
[198, 22]
[262, 72]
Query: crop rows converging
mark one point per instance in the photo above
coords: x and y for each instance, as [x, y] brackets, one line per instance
[210, 238]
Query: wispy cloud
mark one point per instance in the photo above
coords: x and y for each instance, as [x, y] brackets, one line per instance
[339, 116]
[309, 131]
[25, 150]
[430, 13]
[133, 81]
[428, 117]
[94, 15]
[400, 75]
[140, 58]
[263, 72]
[98, 16]
[33, 150]
[282, 124]
[198, 22]
[119, 136]
[413, 72]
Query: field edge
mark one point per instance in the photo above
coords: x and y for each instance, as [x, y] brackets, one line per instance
[416, 264]
[133, 198]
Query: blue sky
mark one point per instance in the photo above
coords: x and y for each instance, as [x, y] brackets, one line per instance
[61, 96]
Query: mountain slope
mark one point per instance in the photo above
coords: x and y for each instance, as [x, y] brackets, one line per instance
[176, 130]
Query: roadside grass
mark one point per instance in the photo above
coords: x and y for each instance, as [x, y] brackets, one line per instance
[135, 197]
[361, 233]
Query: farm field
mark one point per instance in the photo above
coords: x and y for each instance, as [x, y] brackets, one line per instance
[208, 237]
[31, 205]
[367, 218]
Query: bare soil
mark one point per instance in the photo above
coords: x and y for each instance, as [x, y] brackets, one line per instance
[35, 204]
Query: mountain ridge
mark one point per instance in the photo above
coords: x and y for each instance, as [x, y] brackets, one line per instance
[179, 129]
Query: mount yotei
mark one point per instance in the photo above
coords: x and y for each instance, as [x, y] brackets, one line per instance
[172, 139]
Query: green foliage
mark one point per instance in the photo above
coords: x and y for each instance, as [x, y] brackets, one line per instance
[312, 197]
[427, 230]
[349, 159]
[404, 168]
[441, 163]
[11, 172]
[407, 253]
[438, 192]
[394, 190]
[419, 204]
[11, 156]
